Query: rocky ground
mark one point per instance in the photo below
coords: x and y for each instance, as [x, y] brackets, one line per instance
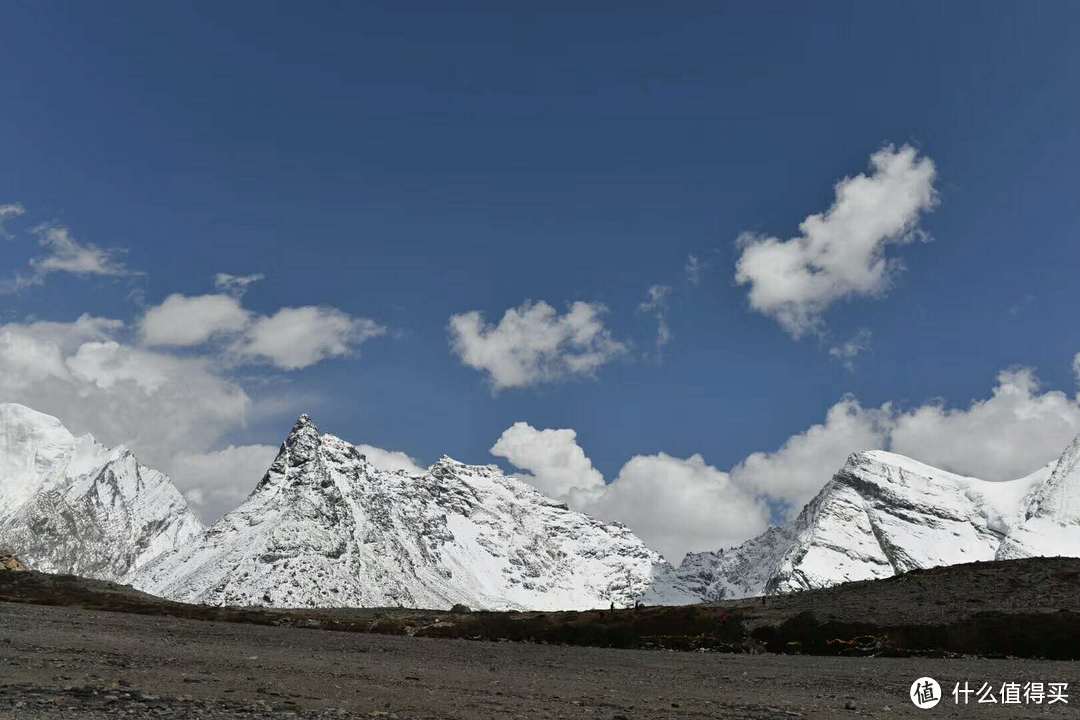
[74, 664]
[73, 648]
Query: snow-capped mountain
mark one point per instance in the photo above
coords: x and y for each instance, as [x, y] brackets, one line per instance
[884, 514]
[324, 527]
[71, 505]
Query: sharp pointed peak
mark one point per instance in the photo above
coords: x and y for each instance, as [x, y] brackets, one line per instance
[304, 424]
[1067, 463]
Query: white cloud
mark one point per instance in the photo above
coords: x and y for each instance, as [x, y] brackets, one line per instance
[656, 304]
[677, 505]
[83, 373]
[533, 343]
[1005, 436]
[1076, 367]
[173, 410]
[65, 254]
[108, 363]
[681, 505]
[694, 269]
[7, 212]
[841, 252]
[298, 337]
[292, 338]
[1013, 432]
[185, 321]
[37, 351]
[556, 464]
[236, 285]
[674, 505]
[847, 351]
[218, 481]
[391, 460]
[793, 474]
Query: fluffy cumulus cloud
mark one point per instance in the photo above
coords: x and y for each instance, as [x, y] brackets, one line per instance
[1016, 430]
[186, 321]
[85, 374]
[290, 339]
[294, 338]
[674, 504]
[391, 460]
[555, 463]
[533, 343]
[795, 472]
[840, 253]
[684, 504]
[679, 505]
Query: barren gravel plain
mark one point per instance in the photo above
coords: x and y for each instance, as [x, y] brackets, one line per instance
[63, 662]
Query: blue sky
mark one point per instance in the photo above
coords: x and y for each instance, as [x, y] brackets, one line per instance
[404, 163]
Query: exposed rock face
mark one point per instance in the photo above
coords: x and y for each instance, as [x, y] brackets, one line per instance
[71, 505]
[324, 527]
[884, 514]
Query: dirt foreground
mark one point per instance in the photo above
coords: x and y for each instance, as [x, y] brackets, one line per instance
[58, 662]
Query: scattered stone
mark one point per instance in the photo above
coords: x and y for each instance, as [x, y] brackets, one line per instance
[10, 563]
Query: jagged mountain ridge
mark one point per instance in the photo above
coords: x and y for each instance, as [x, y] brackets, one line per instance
[70, 505]
[884, 514]
[324, 527]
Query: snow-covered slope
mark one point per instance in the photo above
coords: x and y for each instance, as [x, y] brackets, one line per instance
[324, 527]
[1051, 524]
[71, 505]
[884, 514]
[729, 573]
